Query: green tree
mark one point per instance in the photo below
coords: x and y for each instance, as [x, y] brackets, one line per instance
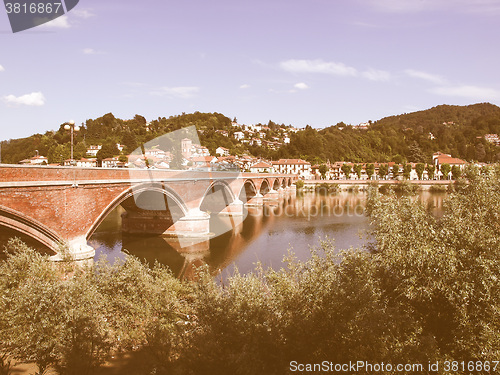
[415, 153]
[445, 170]
[431, 169]
[357, 169]
[346, 168]
[383, 170]
[323, 169]
[395, 171]
[456, 172]
[406, 171]
[370, 170]
[59, 153]
[419, 168]
[108, 150]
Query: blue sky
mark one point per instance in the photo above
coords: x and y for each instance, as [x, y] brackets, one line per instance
[296, 62]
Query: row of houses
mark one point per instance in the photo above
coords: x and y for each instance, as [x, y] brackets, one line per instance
[335, 171]
[194, 156]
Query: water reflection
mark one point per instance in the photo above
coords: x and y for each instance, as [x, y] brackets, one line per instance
[268, 232]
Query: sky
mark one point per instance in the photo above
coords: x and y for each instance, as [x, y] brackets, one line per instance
[297, 62]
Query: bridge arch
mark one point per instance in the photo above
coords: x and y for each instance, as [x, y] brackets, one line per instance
[248, 191]
[217, 197]
[276, 184]
[135, 192]
[14, 220]
[265, 187]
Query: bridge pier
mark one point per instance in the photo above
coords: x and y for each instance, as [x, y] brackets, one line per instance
[77, 250]
[271, 195]
[233, 209]
[195, 223]
[257, 200]
[161, 223]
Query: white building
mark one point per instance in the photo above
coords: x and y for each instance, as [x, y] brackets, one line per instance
[88, 163]
[239, 135]
[298, 167]
[35, 160]
[262, 167]
[222, 151]
[93, 150]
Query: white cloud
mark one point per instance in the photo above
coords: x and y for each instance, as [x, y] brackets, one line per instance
[377, 75]
[82, 13]
[182, 92]
[318, 66]
[301, 86]
[401, 6]
[244, 86]
[470, 92]
[91, 51]
[426, 76]
[416, 6]
[58, 23]
[33, 99]
[2, 69]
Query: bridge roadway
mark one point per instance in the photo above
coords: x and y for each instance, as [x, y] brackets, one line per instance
[65, 205]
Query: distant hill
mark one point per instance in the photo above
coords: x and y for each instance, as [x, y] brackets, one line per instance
[457, 130]
[412, 137]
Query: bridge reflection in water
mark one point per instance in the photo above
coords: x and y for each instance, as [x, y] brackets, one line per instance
[287, 222]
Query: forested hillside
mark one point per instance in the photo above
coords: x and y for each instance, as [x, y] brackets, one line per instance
[109, 130]
[457, 130]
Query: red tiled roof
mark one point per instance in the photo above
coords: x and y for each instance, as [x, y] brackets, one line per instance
[449, 160]
[202, 158]
[291, 161]
[261, 165]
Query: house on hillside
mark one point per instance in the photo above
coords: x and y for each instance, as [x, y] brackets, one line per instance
[92, 150]
[492, 138]
[222, 151]
[238, 135]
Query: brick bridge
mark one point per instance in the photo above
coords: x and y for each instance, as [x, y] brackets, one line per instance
[65, 205]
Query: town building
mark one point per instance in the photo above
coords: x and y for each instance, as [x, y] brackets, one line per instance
[92, 150]
[299, 167]
[262, 167]
[492, 138]
[440, 158]
[222, 151]
[35, 160]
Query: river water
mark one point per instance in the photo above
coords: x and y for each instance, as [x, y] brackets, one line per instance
[291, 223]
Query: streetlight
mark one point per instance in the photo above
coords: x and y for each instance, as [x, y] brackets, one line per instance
[71, 126]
